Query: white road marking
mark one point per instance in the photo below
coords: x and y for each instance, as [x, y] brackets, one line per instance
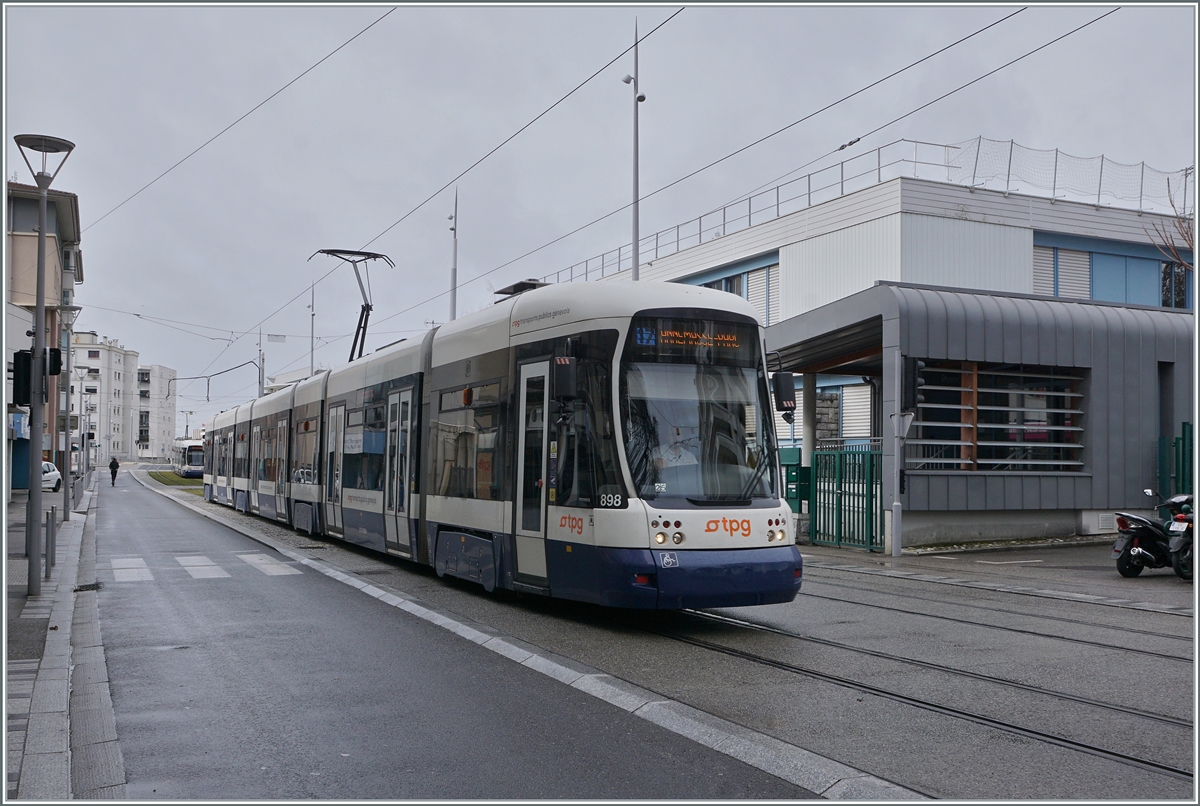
[202, 567]
[1007, 562]
[269, 565]
[128, 562]
[131, 569]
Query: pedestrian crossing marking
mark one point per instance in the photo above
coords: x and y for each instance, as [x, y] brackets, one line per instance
[131, 569]
[134, 569]
[202, 567]
[269, 565]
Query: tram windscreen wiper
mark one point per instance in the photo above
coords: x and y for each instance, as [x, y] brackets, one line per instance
[720, 501]
[763, 464]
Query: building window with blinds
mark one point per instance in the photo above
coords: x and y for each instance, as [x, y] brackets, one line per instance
[997, 417]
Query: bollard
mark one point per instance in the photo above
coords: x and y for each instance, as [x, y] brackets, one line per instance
[53, 544]
[49, 543]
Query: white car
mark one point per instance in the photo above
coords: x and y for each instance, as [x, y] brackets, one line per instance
[51, 478]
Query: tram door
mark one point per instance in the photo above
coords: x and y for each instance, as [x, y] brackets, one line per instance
[395, 507]
[531, 471]
[225, 470]
[281, 469]
[257, 468]
[333, 468]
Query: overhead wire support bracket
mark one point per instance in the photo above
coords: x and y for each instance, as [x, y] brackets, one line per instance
[355, 257]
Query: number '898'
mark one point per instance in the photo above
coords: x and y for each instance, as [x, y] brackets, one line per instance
[610, 500]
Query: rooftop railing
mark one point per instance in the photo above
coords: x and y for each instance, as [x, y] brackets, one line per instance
[978, 163]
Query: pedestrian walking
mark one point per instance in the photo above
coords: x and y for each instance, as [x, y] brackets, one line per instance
[112, 466]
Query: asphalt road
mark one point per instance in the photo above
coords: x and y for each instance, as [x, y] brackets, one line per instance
[1038, 673]
[237, 674]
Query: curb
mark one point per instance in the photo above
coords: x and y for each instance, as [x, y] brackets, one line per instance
[828, 778]
[44, 759]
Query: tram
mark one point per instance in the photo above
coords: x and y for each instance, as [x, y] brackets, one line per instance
[607, 443]
[187, 458]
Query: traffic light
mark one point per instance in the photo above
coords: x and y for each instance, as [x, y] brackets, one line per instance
[22, 376]
[54, 361]
[911, 384]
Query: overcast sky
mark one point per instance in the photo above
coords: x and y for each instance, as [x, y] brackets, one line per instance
[343, 153]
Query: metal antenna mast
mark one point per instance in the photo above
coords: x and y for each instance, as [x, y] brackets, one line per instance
[354, 257]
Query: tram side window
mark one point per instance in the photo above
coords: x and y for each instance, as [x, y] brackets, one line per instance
[260, 462]
[304, 458]
[267, 469]
[241, 456]
[362, 461]
[586, 464]
[466, 439]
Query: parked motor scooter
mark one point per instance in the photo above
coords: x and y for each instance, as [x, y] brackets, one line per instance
[1181, 529]
[1145, 542]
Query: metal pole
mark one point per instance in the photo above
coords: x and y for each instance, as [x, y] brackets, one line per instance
[312, 324]
[975, 169]
[49, 542]
[454, 263]
[1100, 182]
[1142, 186]
[897, 509]
[1008, 171]
[260, 363]
[636, 222]
[901, 420]
[1054, 181]
[68, 486]
[52, 541]
[33, 536]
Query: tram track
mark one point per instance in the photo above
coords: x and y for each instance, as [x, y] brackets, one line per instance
[1016, 630]
[999, 610]
[916, 702]
[937, 667]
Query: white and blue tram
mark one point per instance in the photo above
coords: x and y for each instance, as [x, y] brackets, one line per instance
[605, 443]
[187, 458]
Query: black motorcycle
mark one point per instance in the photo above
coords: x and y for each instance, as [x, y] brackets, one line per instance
[1146, 542]
[1181, 530]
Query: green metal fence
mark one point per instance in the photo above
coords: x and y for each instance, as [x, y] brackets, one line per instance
[1177, 462]
[846, 504]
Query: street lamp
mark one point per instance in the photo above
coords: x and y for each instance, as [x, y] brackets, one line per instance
[44, 145]
[69, 312]
[638, 97]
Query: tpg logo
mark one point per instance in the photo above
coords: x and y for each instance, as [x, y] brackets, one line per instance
[571, 524]
[730, 525]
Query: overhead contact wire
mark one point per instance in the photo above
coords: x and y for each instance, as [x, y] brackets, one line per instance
[239, 120]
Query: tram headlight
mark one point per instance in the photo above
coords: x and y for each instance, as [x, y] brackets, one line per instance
[660, 538]
[677, 537]
[782, 534]
[770, 535]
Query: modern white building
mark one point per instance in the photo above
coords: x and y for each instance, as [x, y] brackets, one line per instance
[985, 235]
[156, 413]
[105, 376]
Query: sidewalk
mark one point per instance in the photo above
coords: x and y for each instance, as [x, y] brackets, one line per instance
[47, 635]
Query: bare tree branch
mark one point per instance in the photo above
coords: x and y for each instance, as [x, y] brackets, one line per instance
[1181, 229]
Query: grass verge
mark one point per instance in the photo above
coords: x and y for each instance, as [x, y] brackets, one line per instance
[194, 486]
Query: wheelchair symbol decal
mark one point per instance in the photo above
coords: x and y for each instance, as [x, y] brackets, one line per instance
[669, 560]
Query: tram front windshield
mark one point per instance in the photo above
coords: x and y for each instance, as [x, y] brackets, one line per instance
[695, 411]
